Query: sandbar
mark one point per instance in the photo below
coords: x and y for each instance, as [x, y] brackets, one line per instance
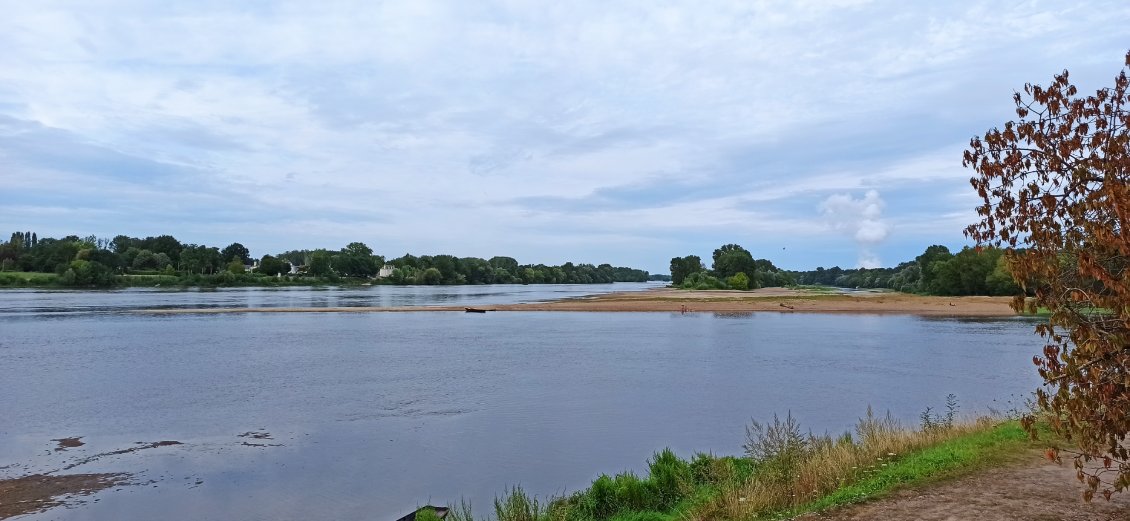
[670, 300]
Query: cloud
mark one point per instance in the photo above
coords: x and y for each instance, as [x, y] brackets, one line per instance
[485, 127]
[863, 218]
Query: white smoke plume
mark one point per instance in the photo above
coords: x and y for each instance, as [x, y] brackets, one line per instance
[862, 217]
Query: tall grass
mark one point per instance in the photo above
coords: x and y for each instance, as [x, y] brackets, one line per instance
[785, 471]
[821, 465]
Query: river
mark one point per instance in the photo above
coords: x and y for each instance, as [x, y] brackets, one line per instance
[366, 416]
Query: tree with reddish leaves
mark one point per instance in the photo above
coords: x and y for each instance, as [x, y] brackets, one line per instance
[1055, 186]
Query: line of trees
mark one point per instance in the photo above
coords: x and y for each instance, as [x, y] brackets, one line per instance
[733, 267]
[92, 261]
[936, 271]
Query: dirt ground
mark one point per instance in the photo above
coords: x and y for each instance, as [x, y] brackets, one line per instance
[1031, 489]
[678, 301]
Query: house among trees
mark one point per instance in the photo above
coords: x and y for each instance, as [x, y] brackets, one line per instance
[385, 271]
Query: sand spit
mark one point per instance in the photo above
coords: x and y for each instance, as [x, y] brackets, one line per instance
[670, 300]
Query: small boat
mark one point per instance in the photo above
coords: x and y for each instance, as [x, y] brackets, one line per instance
[440, 512]
[474, 310]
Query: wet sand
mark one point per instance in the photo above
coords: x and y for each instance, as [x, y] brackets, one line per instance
[677, 301]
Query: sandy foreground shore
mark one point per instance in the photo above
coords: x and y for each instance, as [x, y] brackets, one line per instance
[673, 301]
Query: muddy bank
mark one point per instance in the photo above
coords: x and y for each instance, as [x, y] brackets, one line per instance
[679, 301]
[39, 492]
[45, 490]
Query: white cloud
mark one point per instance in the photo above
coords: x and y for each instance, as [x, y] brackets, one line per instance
[863, 218]
[419, 117]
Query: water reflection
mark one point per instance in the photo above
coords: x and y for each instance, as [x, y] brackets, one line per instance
[733, 314]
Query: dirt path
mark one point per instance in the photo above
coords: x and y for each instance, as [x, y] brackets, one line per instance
[1030, 490]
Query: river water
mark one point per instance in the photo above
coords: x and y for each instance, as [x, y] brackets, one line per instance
[366, 416]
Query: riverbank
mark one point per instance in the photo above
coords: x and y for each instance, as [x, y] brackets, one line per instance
[976, 470]
[670, 300]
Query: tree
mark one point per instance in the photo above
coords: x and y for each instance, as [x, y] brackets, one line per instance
[236, 250]
[87, 273]
[272, 266]
[927, 264]
[506, 263]
[357, 260]
[682, 267]
[166, 244]
[320, 264]
[1056, 183]
[430, 277]
[199, 259]
[731, 259]
[236, 266]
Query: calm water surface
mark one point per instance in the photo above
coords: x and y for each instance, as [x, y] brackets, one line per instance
[40, 302]
[370, 415]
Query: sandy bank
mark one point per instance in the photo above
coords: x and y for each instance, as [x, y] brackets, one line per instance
[673, 301]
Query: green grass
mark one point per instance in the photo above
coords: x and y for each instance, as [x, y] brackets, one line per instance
[27, 279]
[959, 455]
[712, 487]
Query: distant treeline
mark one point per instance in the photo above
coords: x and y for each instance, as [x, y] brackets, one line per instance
[124, 260]
[935, 272]
[733, 267]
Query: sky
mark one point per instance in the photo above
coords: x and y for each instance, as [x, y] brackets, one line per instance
[813, 133]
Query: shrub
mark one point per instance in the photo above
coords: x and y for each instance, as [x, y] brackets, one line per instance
[739, 281]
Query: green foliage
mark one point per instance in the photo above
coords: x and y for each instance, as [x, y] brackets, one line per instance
[319, 264]
[676, 489]
[517, 506]
[732, 259]
[682, 267]
[28, 279]
[83, 273]
[669, 480]
[236, 251]
[189, 264]
[426, 514]
[702, 281]
[356, 260]
[936, 271]
[739, 281]
[430, 277]
[271, 266]
[236, 266]
[200, 259]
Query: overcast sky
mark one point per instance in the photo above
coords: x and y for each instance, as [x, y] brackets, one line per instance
[812, 133]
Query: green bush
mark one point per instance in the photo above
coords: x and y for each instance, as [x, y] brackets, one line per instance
[739, 281]
[669, 479]
[702, 281]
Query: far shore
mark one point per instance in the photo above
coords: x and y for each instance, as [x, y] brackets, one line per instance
[669, 300]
